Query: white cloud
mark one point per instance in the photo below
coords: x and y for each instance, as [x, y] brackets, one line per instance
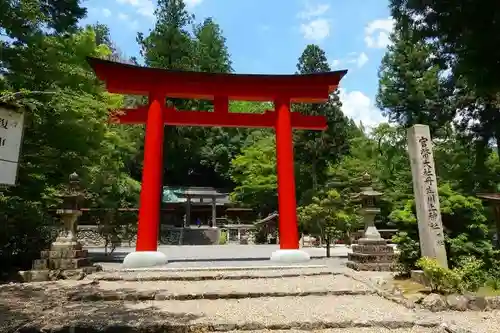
[313, 11]
[192, 3]
[123, 16]
[106, 12]
[362, 59]
[314, 26]
[358, 59]
[143, 7]
[377, 33]
[360, 108]
[317, 29]
[335, 63]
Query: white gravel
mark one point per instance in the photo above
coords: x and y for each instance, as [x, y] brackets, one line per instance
[281, 310]
[415, 329]
[164, 275]
[291, 284]
[474, 321]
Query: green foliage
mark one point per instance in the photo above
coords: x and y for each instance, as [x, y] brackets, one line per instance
[410, 87]
[472, 273]
[330, 216]
[468, 276]
[223, 237]
[254, 172]
[466, 233]
[314, 150]
[440, 63]
[441, 280]
[25, 229]
[66, 130]
[409, 253]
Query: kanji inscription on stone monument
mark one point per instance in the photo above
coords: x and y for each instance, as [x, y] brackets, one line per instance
[430, 226]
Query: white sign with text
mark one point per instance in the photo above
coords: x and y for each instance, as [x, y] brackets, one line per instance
[11, 135]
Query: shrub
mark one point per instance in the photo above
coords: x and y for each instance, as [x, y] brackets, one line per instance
[442, 280]
[471, 273]
[409, 252]
[25, 230]
[466, 231]
[468, 275]
[223, 237]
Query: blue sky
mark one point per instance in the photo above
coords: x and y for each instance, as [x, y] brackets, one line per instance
[268, 36]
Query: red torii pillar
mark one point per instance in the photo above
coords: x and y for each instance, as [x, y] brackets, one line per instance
[158, 83]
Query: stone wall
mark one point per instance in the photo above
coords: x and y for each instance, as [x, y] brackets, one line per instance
[89, 236]
[201, 236]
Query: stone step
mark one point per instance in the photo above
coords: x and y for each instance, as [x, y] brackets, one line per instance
[281, 313]
[414, 329]
[217, 289]
[358, 266]
[232, 273]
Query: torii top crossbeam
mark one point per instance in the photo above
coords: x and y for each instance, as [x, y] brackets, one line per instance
[219, 87]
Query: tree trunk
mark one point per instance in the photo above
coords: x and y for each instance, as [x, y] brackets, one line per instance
[497, 223]
[497, 139]
[314, 176]
[327, 240]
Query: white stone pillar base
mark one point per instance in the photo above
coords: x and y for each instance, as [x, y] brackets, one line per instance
[144, 259]
[290, 256]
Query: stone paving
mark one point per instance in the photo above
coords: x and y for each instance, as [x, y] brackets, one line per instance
[201, 254]
[289, 299]
[224, 288]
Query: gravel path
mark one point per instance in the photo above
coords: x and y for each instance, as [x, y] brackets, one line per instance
[46, 304]
[415, 329]
[206, 274]
[282, 310]
[477, 322]
[303, 284]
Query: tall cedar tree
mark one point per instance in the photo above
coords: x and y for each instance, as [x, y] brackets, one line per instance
[316, 150]
[172, 45]
[411, 90]
[26, 26]
[457, 33]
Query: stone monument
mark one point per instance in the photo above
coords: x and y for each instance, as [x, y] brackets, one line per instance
[372, 252]
[66, 259]
[430, 226]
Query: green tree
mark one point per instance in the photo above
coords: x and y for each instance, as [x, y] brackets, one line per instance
[411, 86]
[212, 54]
[315, 150]
[254, 173]
[193, 156]
[66, 130]
[169, 44]
[329, 216]
[456, 32]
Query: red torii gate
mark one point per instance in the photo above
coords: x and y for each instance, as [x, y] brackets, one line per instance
[158, 84]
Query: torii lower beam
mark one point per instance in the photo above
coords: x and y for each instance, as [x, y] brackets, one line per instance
[159, 84]
[174, 117]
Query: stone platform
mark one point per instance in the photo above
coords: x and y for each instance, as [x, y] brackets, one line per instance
[371, 255]
[62, 261]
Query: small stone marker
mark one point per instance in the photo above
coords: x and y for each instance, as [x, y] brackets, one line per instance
[430, 226]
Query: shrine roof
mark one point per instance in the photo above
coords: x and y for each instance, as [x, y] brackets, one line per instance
[131, 79]
[180, 194]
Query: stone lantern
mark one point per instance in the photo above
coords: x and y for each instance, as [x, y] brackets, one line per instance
[70, 212]
[65, 259]
[369, 199]
[372, 252]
